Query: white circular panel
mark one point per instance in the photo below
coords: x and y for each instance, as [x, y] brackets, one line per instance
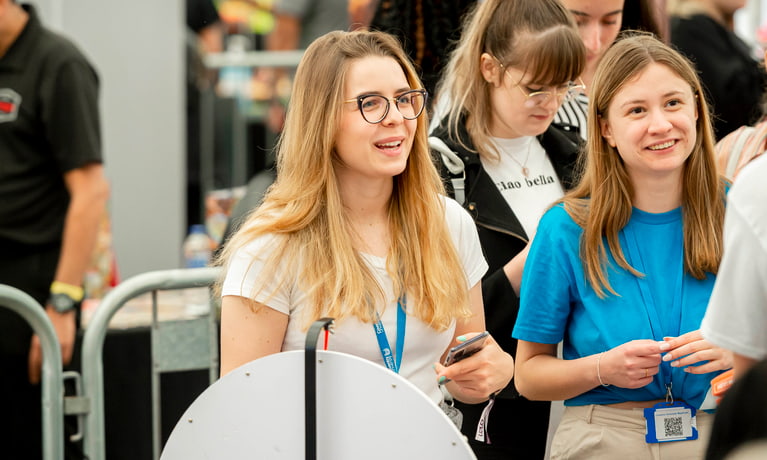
[363, 411]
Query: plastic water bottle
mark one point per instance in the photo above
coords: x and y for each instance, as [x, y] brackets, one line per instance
[197, 254]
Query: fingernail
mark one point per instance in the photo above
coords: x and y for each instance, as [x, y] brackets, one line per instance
[442, 380]
[674, 363]
[663, 346]
[667, 357]
[461, 338]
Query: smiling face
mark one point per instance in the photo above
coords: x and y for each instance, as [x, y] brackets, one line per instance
[599, 23]
[377, 151]
[651, 121]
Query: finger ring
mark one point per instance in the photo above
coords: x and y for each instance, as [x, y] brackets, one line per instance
[646, 374]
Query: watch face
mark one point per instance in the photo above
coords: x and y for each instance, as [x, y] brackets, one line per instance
[62, 303]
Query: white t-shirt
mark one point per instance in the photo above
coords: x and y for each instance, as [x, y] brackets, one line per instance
[528, 196]
[423, 345]
[736, 318]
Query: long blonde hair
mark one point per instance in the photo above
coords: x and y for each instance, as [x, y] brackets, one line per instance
[536, 36]
[303, 207]
[602, 201]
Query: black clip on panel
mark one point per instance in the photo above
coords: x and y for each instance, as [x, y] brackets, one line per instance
[310, 384]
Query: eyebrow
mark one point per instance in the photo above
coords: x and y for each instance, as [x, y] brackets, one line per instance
[379, 93]
[586, 15]
[640, 101]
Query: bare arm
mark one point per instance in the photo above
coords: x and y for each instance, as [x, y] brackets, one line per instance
[475, 378]
[89, 191]
[249, 331]
[513, 268]
[285, 35]
[542, 376]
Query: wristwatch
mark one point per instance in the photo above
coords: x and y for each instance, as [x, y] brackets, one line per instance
[65, 297]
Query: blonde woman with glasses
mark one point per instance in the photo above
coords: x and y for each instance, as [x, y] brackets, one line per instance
[357, 228]
[515, 64]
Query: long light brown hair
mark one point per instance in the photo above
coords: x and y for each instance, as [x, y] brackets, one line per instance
[602, 202]
[303, 207]
[538, 37]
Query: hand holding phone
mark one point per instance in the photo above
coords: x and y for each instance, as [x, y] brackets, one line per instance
[466, 349]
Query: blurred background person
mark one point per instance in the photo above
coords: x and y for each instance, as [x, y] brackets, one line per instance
[746, 143]
[297, 23]
[599, 22]
[703, 30]
[428, 29]
[53, 195]
[205, 34]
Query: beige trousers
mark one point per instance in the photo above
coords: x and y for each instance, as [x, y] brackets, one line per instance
[599, 432]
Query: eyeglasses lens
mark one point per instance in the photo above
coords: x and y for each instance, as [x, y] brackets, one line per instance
[375, 107]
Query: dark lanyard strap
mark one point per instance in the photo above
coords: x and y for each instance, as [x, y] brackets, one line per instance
[391, 359]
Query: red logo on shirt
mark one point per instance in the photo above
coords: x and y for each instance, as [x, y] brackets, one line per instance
[10, 101]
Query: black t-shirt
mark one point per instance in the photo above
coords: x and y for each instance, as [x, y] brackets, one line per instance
[49, 125]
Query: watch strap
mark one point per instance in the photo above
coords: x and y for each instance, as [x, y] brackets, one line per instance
[75, 292]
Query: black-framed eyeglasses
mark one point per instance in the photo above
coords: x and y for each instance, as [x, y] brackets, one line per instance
[375, 107]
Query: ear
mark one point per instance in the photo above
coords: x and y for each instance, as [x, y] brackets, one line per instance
[490, 69]
[606, 131]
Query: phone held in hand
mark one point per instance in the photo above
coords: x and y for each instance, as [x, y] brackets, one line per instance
[466, 349]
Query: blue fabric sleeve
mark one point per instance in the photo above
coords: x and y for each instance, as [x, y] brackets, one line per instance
[545, 296]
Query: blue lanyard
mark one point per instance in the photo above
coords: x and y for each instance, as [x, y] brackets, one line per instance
[390, 360]
[653, 315]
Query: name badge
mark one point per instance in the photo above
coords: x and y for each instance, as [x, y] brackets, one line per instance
[670, 421]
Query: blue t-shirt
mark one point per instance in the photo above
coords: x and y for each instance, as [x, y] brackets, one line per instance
[558, 303]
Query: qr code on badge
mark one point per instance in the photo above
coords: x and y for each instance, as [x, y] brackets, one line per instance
[673, 427]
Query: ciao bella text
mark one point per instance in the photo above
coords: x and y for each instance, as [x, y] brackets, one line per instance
[515, 184]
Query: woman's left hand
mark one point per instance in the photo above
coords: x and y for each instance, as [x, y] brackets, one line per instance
[691, 348]
[472, 380]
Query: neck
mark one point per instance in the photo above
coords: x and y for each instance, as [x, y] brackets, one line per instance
[588, 78]
[657, 195]
[367, 207]
[12, 23]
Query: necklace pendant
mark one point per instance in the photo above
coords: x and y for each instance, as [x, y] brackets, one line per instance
[525, 171]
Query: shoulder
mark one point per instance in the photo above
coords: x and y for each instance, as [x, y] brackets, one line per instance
[557, 214]
[750, 188]
[258, 247]
[558, 222]
[57, 48]
[455, 213]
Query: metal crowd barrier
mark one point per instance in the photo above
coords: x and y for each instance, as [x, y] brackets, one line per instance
[165, 341]
[51, 377]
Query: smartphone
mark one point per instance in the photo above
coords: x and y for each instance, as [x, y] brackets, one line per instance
[466, 349]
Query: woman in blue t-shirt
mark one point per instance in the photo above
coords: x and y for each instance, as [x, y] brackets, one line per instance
[621, 270]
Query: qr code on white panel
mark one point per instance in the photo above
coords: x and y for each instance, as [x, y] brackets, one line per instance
[673, 426]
